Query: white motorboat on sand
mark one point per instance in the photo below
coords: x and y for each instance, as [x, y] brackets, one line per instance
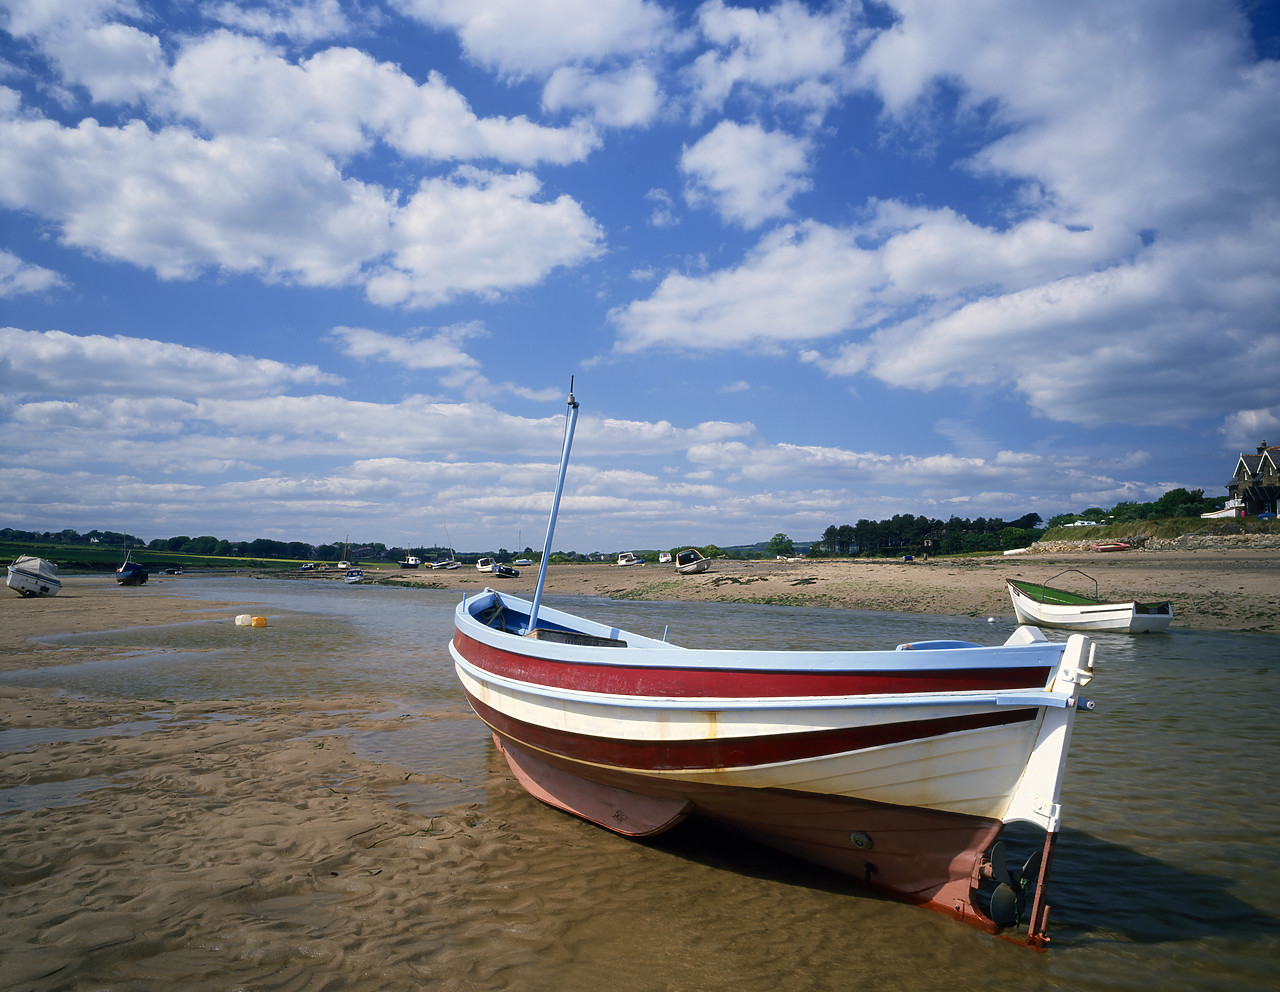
[32, 576]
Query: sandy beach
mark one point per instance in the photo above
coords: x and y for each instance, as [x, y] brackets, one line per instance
[244, 843]
[1209, 590]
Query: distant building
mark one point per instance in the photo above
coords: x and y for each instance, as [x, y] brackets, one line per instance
[1255, 488]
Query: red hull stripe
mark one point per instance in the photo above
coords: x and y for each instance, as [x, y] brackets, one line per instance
[636, 680]
[734, 752]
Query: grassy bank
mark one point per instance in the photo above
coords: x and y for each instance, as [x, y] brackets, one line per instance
[101, 558]
[1171, 527]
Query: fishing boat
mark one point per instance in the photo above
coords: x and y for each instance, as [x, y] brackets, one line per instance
[32, 576]
[1044, 605]
[898, 768]
[629, 558]
[130, 573]
[691, 562]
[410, 561]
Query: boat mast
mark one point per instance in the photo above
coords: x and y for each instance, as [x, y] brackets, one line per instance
[571, 421]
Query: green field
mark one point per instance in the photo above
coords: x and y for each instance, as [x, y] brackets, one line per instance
[102, 558]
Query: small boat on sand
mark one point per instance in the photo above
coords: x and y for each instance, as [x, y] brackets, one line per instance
[32, 576]
[130, 573]
[629, 558]
[411, 561]
[1111, 546]
[691, 562]
[353, 576]
[898, 768]
[1041, 604]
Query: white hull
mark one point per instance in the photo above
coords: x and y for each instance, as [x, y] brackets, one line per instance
[918, 755]
[31, 577]
[985, 770]
[690, 562]
[1115, 617]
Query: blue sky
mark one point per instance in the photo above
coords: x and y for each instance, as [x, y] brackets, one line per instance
[299, 270]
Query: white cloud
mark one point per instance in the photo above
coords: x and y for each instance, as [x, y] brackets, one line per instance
[479, 233]
[1073, 346]
[663, 213]
[1148, 144]
[115, 62]
[18, 277]
[748, 173]
[626, 98]
[787, 52]
[442, 350]
[55, 363]
[300, 20]
[1245, 429]
[802, 282]
[536, 36]
[340, 100]
[176, 203]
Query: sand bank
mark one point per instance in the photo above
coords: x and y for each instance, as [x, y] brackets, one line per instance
[1209, 590]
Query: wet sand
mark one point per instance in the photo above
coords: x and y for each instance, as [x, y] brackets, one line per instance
[245, 843]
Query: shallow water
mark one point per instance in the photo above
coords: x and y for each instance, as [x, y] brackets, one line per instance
[1165, 876]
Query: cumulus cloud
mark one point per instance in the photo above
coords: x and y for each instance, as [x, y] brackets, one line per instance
[537, 36]
[114, 61]
[18, 277]
[300, 20]
[442, 350]
[748, 173]
[626, 98]
[479, 232]
[786, 52]
[340, 100]
[803, 282]
[60, 364]
[1144, 148]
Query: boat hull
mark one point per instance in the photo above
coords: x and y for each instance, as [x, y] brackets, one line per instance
[31, 577]
[131, 574]
[1129, 618]
[896, 768]
[917, 855]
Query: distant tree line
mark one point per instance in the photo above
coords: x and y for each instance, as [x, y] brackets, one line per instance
[905, 532]
[1174, 503]
[901, 533]
[110, 538]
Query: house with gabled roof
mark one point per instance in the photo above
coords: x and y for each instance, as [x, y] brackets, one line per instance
[1255, 487]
